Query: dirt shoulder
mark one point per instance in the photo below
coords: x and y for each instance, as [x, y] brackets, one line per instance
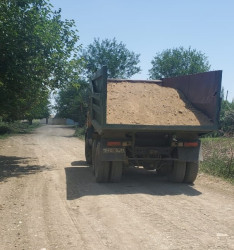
[49, 200]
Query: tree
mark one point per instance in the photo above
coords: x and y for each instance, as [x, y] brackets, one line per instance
[41, 107]
[227, 117]
[72, 102]
[120, 62]
[38, 52]
[178, 61]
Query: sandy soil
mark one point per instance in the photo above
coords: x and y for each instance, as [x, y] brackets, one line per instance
[49, 200]
[150, 104]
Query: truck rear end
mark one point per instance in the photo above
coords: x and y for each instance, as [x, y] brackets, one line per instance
[153, 124]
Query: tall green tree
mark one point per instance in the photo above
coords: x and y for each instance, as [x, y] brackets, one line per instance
[37, 51]
[41, 107]
[178, 61]
[73, 101]
[120, 62]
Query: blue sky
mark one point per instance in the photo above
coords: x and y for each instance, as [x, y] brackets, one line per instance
[150, 26]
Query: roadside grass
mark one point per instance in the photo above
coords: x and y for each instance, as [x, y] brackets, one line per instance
[80, 133]
[7, 129]
[3, 136]
[218, 154]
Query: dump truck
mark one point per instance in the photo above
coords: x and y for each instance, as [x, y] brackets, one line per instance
[154, 124]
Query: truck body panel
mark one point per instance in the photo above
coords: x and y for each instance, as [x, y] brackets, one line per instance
[170, 149]
[202, 90]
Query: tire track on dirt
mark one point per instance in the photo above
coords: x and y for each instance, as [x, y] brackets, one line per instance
[49, 199]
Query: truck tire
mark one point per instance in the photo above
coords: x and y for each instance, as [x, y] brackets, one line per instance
[102, 168]
[88, 152]
[191, 172]
[178, 171]
[116, 171]
[94, 145]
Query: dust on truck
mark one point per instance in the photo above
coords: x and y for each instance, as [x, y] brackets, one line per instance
[153, 124]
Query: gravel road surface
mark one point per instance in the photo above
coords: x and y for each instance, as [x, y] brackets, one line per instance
[49, 200]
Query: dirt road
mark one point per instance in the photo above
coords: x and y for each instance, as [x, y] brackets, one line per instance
[49, 200]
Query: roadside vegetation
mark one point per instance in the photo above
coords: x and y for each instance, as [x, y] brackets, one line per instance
[218, 156]
[218, 147]
[39, 53]
[80, 133]
[16, 127]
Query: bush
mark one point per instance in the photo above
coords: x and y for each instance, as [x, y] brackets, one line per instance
[80, 132]
[4, 129]
[218, 156]
[226, 123]
[16, 127]
[227, 118]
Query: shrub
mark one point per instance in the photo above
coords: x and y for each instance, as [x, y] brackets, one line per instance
[80, 132]
[218, 156]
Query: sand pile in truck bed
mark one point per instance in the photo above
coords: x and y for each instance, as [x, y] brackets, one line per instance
[150, 104]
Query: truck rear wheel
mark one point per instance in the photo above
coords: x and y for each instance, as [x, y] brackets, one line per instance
[178, 171]
[116, 171]
[102, 168]
[191, 172]
[88, 152]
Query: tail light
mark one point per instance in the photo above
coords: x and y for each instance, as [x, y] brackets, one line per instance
[191, 144]
[185, 144]
[113, 144]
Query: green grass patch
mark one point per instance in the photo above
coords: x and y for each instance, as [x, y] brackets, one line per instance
[3, 136]
[218, 154]
[7, 129]
[80, 133]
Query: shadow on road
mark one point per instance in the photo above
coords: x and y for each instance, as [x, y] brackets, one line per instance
[81, 182]
[12, 166]
[61, 126]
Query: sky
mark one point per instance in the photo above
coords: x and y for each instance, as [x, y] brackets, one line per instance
[148, 27]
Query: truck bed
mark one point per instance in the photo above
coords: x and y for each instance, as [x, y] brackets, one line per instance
[201, 90]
